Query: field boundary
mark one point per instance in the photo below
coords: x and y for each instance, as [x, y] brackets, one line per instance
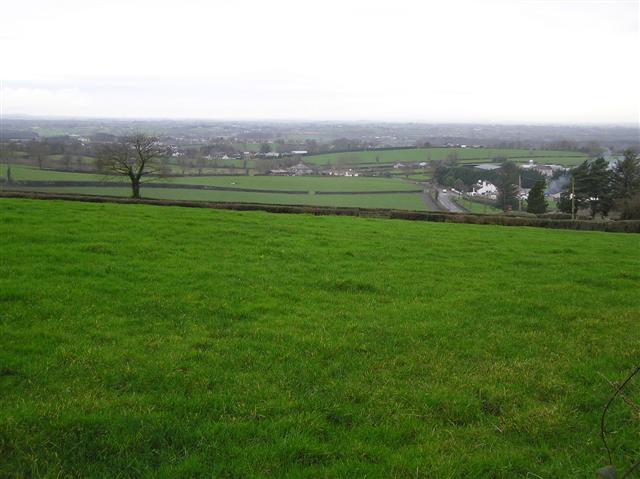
[626, 226]
[189, 186]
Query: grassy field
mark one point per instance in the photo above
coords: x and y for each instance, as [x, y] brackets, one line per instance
[24, 173]
[430, 154]
[297, 183]
[170, 342]
[476, 207]
[302, 183]
[408, 201]
[402, 201]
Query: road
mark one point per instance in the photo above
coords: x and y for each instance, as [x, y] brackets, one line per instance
[445, 199]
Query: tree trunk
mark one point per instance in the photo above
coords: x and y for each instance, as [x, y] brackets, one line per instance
[135, 188]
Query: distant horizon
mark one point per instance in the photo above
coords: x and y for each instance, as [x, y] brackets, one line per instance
[19, 116]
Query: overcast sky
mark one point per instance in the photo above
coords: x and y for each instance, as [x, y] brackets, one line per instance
[430, 60]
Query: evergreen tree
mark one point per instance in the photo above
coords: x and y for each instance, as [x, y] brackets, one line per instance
[507, 184]
[564, 204]
[535, 201]
[626, 182]
[592, 183]
[598, 185]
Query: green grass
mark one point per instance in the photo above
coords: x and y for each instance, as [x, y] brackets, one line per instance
[301, 183]
[59, 159]
[402, 201]
[24, 173]
[171, 342]
[477, 207]
[428, 154]
[298, 183]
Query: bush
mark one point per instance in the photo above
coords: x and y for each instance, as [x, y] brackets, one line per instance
[555, 216]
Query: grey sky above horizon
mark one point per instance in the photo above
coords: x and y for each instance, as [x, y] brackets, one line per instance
[528, 61]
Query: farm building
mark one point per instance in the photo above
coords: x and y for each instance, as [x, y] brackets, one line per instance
[484, 188]
[546, 170]
[300, 169]
[339, 172]
[279, 172]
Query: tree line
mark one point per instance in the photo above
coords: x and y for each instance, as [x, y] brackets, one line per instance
[601, 189]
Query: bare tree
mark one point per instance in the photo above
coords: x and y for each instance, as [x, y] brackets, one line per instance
[136, 156]
[37, 150]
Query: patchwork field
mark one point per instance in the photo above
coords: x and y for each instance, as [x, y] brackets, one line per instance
[28, 173]
[402, 201]
[470, 155]
[396, 193]
[171, 342]
[304, 183]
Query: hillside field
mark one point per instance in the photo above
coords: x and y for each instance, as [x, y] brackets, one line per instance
[399, 193]
[465, 155]
[172, 342]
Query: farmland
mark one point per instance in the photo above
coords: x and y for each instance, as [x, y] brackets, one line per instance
[321, 191]
[28, 173]
[403, 201]
[306, 183]
[468, 155]
[163, 342]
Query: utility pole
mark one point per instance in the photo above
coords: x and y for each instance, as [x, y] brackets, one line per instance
[573, 198]
[519, 192]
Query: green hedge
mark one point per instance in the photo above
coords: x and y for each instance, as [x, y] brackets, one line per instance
[627, 226]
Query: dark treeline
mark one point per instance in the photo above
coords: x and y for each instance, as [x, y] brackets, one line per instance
[601, 189]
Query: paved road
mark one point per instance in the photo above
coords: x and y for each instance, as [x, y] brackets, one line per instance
[444, 198]
[429, 203]
[444, 201]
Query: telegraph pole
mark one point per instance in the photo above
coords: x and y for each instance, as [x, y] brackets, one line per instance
[519, 192]
[573, 198]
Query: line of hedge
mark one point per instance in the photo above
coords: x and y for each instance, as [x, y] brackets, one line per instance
[628, 226]
[122, 184]
[378, 192]
[179, 186]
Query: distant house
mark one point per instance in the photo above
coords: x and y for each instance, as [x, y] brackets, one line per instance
[299, 152]
[272, 154]
[523, 193]
[399, 165]
[484, 188]
[546, 170]
[339, 172]
[279, 172]
[300, 169]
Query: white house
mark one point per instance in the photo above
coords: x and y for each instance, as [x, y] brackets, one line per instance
[484, 188]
